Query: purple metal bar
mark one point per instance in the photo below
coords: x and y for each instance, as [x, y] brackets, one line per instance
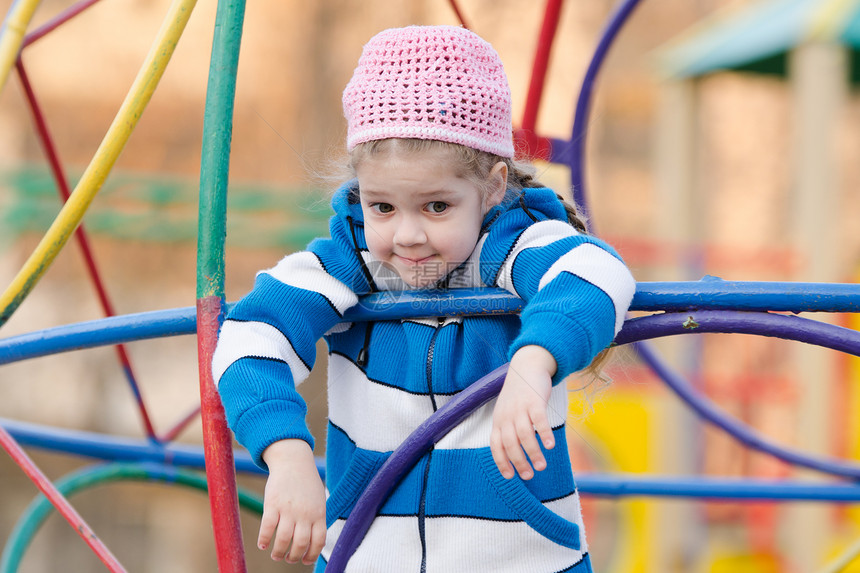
[409, 452]
[784, 326]
[762, 324]
[440, 423]
[583, 104]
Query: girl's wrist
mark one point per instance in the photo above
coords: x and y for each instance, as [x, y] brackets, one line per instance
[287, 451]
[536, 357]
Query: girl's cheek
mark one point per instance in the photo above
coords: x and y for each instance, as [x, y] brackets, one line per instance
[373, 239]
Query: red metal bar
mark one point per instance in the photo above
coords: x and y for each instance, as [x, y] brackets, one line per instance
[80, 235]
[459, 14]
[56, 21]
[61, 503]
[173, 432]
[220, 468]
[539, 68]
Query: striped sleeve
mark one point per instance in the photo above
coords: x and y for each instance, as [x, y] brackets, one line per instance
[267, 347]
[577, 291]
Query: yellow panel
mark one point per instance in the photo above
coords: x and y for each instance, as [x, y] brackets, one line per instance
[618, 426]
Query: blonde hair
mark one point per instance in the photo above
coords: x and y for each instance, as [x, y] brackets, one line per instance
[475, 165]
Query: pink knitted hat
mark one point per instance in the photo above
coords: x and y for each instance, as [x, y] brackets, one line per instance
[430, 82]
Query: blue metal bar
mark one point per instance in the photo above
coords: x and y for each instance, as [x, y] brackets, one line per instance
[110, 448]
[394, 305]
[650, 296]
[113, 448]
[712, 293]
[701, 487]
[94, 333]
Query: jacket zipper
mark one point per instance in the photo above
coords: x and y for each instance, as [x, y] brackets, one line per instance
[431, 349]
[361, 360]
[421, 513]
[357, 251]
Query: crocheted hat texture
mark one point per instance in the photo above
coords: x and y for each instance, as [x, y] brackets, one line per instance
[430, 82]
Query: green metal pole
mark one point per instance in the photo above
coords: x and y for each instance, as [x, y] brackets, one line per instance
[212, 230]
[40, 508]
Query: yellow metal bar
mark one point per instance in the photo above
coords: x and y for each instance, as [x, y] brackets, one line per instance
[103, 161]
[12, 35]
[841, 563]
[830, 19]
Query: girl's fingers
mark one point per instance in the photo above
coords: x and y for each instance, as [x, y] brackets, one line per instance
[515, 453]
[267, 528]
[528, 439]
[499, 455]
[542, 427]
[282, 540]
[517, 444]
[318, 533]
[299, 546]
[544, 430]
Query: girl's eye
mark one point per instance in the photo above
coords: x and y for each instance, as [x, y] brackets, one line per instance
[383, 207]
[438, 206]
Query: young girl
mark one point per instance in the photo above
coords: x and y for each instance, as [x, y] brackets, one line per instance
[437, 202]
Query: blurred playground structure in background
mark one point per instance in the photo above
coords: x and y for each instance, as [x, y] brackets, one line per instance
[639, 452]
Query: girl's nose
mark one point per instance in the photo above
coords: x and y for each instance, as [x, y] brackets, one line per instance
[409, 233]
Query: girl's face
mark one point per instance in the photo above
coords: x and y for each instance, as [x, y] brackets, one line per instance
[421, 218]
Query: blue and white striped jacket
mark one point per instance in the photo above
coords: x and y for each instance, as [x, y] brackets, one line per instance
[453, 511]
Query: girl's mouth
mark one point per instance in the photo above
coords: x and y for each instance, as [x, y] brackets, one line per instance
[414, 261]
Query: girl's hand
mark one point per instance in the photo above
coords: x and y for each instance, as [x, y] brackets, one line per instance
[520, 412]
[294, 504]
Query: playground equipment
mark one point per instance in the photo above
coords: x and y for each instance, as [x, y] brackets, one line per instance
[678, 308]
